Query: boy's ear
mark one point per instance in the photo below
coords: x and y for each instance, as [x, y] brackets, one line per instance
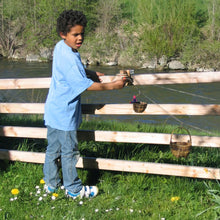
[62, 35]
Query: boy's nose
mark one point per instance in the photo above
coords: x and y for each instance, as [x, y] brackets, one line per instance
[80, 36]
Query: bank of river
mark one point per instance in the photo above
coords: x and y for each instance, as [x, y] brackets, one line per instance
[200, 94]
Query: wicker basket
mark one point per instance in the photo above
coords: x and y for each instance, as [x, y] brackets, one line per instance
[139, 106]
[180, 149]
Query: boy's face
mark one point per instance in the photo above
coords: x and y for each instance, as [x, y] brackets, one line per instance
[74, 38]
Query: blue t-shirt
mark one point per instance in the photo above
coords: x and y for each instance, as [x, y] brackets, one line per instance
[68, 81]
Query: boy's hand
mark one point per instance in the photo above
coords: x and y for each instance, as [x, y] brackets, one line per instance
[120, 83]
[99, 74]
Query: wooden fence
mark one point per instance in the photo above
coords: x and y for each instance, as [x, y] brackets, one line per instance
[116, 136]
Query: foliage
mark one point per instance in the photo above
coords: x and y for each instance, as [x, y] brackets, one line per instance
[169, 25]
[118, 27]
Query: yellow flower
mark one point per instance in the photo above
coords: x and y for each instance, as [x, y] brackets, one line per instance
[206, 170]
[55, 194]
[42, 181]
[175, 198]
[14, 191]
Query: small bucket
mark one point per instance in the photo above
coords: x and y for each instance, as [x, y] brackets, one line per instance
[180, 148]
[139, 107]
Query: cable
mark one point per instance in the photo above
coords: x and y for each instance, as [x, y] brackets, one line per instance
[188, 93]
[172, 116]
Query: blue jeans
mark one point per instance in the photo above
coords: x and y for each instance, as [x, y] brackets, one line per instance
[62, 144]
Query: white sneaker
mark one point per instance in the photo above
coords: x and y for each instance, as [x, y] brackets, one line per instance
[86, 191]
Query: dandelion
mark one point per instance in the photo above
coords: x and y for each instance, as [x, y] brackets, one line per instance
[11, 199]
[37, 187]
[38, 191]
[131, 210]
[175, 198]
[44, 195]
[14, 191]
[40, 199]
[206, 170]
[96, 210]
[81, 202]
[52, 207]
[117, 209]
[62, 187]
[55, 194]
[106, 210]
[42, 181]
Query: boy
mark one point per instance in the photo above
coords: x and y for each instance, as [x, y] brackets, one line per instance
[63, 108]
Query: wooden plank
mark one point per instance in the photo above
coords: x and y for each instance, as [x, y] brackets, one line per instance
[23, 132]
[170, 78]
[111, 136]
[121, 165]
[119, 109]
[25, 83]
[22, 108]
[152, 109]
[139, 79]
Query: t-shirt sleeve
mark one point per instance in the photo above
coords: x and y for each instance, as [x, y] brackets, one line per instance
[73, 74]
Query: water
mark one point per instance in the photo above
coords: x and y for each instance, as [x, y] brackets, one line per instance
[161, 94]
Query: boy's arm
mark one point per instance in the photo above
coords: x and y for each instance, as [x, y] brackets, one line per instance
[118, 84]
[94, 76]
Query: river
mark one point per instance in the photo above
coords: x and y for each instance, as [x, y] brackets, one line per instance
[180, 94]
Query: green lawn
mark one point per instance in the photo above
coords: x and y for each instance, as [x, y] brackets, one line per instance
[121, 195]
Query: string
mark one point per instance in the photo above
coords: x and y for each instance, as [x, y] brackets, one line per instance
[172, 116]
[187, 93]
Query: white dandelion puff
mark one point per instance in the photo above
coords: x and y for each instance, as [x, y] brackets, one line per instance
[62, 187]
[80, 202]
[96, 210]
[37, 187]
[106, 210]
[131, 210]
[117, 209]
[11, 199]
[38, 191]
[53, 207]
[53, 197]
[40, 199]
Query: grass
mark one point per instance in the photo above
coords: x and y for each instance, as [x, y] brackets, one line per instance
[122, 195]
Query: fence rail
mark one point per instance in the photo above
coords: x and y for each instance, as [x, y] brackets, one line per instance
[116, 136]
[119, 109]
[139, 79]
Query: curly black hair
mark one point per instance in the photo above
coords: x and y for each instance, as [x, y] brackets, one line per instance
[68, 19]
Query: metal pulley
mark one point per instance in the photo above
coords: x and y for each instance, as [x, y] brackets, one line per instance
[127, 74]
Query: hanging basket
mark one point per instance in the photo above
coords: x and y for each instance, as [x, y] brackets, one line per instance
[139, 107]
[181, 148]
